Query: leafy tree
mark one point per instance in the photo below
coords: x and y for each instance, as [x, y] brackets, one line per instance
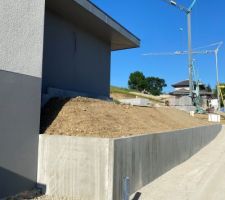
[137, 81]
[155, 85]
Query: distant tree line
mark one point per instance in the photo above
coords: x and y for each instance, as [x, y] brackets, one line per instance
[138, 81]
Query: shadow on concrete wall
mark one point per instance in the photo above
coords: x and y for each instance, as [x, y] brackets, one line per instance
[144, 158]
[12, 183]
[50, 111]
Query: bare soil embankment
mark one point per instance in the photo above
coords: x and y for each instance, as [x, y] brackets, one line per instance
[90, 117]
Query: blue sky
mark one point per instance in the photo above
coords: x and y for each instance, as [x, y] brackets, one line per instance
[158, 26]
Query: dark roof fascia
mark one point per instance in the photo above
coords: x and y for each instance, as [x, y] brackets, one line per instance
[114, 20]
[88, 16]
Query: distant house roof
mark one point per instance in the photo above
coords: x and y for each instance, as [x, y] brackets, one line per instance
[85, 14]
[184, 83]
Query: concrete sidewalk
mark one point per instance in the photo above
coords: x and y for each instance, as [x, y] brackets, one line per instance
[202, 177]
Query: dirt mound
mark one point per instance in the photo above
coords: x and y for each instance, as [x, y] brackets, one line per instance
[89, 117]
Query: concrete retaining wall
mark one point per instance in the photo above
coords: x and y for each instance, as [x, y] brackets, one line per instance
[144, 158]
[136, 102]
[76, 166]
[94, 168]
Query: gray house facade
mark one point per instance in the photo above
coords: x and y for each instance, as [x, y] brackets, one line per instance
[78, 40]
[61, 44]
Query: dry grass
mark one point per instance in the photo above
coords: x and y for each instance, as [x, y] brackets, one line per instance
[123, 93]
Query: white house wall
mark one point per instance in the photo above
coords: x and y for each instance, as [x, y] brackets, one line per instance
[179, 88]
[21, 36]
[21, 44]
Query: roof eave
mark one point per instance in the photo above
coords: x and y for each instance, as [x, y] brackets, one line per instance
[95, 21]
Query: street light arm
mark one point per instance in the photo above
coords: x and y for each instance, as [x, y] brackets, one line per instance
[178, 53]
[219, 45]
[192, 5]
[179, 6]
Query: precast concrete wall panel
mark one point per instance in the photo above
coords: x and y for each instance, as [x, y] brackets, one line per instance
[94, 168]
[21, 50]
[144, 158]
[76, 167]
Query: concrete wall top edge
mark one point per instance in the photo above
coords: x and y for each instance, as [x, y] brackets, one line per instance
[168, 132]
[133, 136]
[77, 137]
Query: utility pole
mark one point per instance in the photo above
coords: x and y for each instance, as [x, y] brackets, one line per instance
[217, 73]
[188, 13]
[217, 79]
[190, 65]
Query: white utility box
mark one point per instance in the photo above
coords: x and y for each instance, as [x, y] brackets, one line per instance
[192, 113]
[213, 118]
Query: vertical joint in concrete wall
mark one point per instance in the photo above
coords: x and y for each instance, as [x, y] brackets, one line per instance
[110, 169]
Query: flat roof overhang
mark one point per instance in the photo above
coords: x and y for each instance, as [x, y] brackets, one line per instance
[86, 15]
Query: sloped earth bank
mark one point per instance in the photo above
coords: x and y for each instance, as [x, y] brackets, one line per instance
[90, 117]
